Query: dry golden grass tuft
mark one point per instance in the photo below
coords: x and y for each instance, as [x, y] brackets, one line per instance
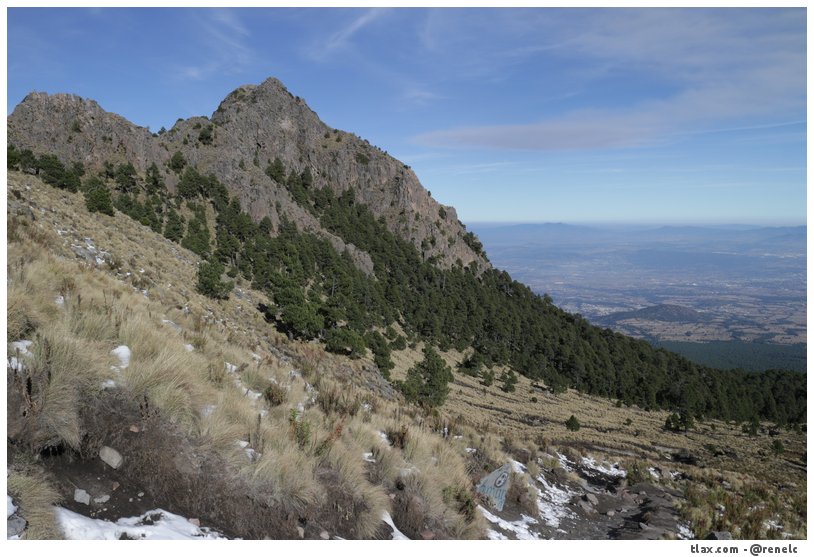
[284, 478]
[34, 495]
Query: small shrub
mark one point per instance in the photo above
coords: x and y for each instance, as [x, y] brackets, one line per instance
[572, 423]
[275, 395]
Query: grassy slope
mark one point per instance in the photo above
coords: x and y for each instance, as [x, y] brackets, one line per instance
[42, 265]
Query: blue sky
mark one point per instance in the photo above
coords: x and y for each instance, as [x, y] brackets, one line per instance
[529, 115]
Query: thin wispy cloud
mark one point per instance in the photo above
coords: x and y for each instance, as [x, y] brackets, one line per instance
[420, 96]
[224, 45]
[340, 39]
[716, 71]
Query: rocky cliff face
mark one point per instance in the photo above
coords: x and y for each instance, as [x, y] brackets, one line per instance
[254, 125]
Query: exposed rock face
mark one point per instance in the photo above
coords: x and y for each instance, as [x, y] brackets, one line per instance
[254, 125]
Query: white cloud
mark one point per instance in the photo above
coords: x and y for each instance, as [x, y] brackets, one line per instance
[712, 69]
[342, 38]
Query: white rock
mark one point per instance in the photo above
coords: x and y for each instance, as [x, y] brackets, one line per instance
[101, 499]
[11, 508]
[111, 457]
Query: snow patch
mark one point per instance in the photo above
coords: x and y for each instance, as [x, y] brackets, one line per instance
[153, 525]
[772, 525]
[470, 450]
[189, 348]
[552, 501]
[15, 365]
[109, 384]
[11, 508]
[123, 354]
[22, 346]
[520, 528]
[59, 300]
[230, 368]
[684, 532]
[397, 535]
[611, 470]
[368, 457]
[565, 464]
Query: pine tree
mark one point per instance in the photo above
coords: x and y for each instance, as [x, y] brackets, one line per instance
[177, 162]
[154, 181]
[174, 228]
[427, 382]
[209, 280]
[97, 196]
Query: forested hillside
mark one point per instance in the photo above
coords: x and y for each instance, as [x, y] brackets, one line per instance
[319, 292]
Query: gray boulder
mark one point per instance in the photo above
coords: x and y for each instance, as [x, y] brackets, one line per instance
[111, 457]
[15, 526]
[81, 496]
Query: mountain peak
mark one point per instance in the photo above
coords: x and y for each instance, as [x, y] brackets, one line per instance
[252, 127]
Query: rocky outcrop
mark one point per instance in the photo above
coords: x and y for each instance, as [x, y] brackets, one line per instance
[251, 127]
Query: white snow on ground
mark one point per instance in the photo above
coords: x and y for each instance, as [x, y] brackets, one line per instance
[384, 437]
[611, 470]
[552, 501]
[772, 525]
[495, 535]
[518, 467]
[230, 368]
[22, 346]
[59, 300]
[520, 528]
[108, 384]
[397, 535]
[684, 532]
[123, 354]
[653, 473]
[152, 525]
[565, 464]
[470, 449]
[207, 410]
[189, 348]
[368, 457]
[15, 364]
[10, 507]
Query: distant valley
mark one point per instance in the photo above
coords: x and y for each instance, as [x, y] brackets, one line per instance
[726, 296]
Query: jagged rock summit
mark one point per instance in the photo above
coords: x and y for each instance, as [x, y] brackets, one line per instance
[253, 126]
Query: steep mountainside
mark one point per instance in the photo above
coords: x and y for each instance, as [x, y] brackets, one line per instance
[252, 127]
[258, 190]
